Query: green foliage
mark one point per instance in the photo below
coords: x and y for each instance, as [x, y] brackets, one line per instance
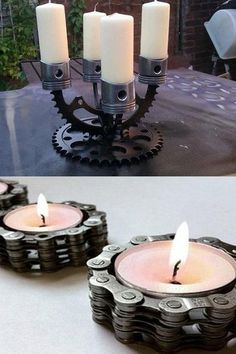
[16, 40]
[75, 26]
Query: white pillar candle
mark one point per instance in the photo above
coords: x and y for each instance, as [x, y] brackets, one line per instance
[117, 46]
[92, 35]
[155, 30]
[52, 32]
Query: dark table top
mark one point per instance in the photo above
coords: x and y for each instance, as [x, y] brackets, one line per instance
[195, 112]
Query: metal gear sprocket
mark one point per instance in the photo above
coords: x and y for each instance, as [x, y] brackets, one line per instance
[136, 143]
[70, 111]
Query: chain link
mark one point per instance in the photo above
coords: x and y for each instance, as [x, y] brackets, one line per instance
[52, 250]
[169, 323]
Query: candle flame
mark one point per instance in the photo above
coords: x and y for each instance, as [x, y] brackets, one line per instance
[180, 246]
[42, 206]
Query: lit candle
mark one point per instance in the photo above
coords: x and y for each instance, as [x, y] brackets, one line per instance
[117, 48]
[152, 268]
[179, 250]
[43, 217]
[155, 30]
[3, 187]
[52, 32]
[42, 208]
[92, 35]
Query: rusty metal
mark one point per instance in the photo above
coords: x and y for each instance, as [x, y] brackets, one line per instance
[166, 323]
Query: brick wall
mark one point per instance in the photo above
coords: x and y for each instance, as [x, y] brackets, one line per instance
[134, 8]
[188, 42]
[195, 41]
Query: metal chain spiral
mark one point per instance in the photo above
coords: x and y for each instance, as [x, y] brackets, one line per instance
[54, 250]
[168, 324]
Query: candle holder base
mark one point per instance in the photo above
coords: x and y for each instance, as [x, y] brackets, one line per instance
[166, 323]
[152, 71]
[51, 251]
[106, 138]
[132, 145]
[118, 98]
[55, 76]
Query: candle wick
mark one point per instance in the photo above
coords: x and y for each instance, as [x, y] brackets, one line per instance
[175, 271]
[176, 268]
[43, 219]
[95, 7]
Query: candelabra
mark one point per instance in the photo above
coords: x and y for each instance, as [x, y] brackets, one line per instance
[112, 131]
[167, 322]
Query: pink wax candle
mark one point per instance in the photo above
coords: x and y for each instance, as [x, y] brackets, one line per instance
[148, 267]
[3, 188]
[43, 217]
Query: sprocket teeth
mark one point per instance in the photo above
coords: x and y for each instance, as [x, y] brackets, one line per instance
[67, 110]
[144, 142]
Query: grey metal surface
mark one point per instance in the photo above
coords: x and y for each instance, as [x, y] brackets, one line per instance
[165, 322]
[117, 98]
[50, 251]
[91, 70]
[152, 71]
[16, 194]
[55, 76]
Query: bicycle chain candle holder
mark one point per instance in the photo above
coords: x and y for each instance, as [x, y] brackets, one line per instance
[166, 322]
[113, 131]
[12, 194]
[50, 251]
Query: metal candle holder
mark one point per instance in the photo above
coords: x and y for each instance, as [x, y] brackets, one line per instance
[16, 194]
[55, 76]
[91, 70]
[118, 98]
[152, 71]
[54, 250]
[112, 131]
[166, 323]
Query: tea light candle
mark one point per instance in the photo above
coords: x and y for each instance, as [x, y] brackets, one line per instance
[38, 218]
[147, 267]
[3, 187]
[52, 32]
[155, 30]
[92, 35]
[117, 47]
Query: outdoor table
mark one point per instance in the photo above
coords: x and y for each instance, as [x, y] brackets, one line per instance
[195, 112]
